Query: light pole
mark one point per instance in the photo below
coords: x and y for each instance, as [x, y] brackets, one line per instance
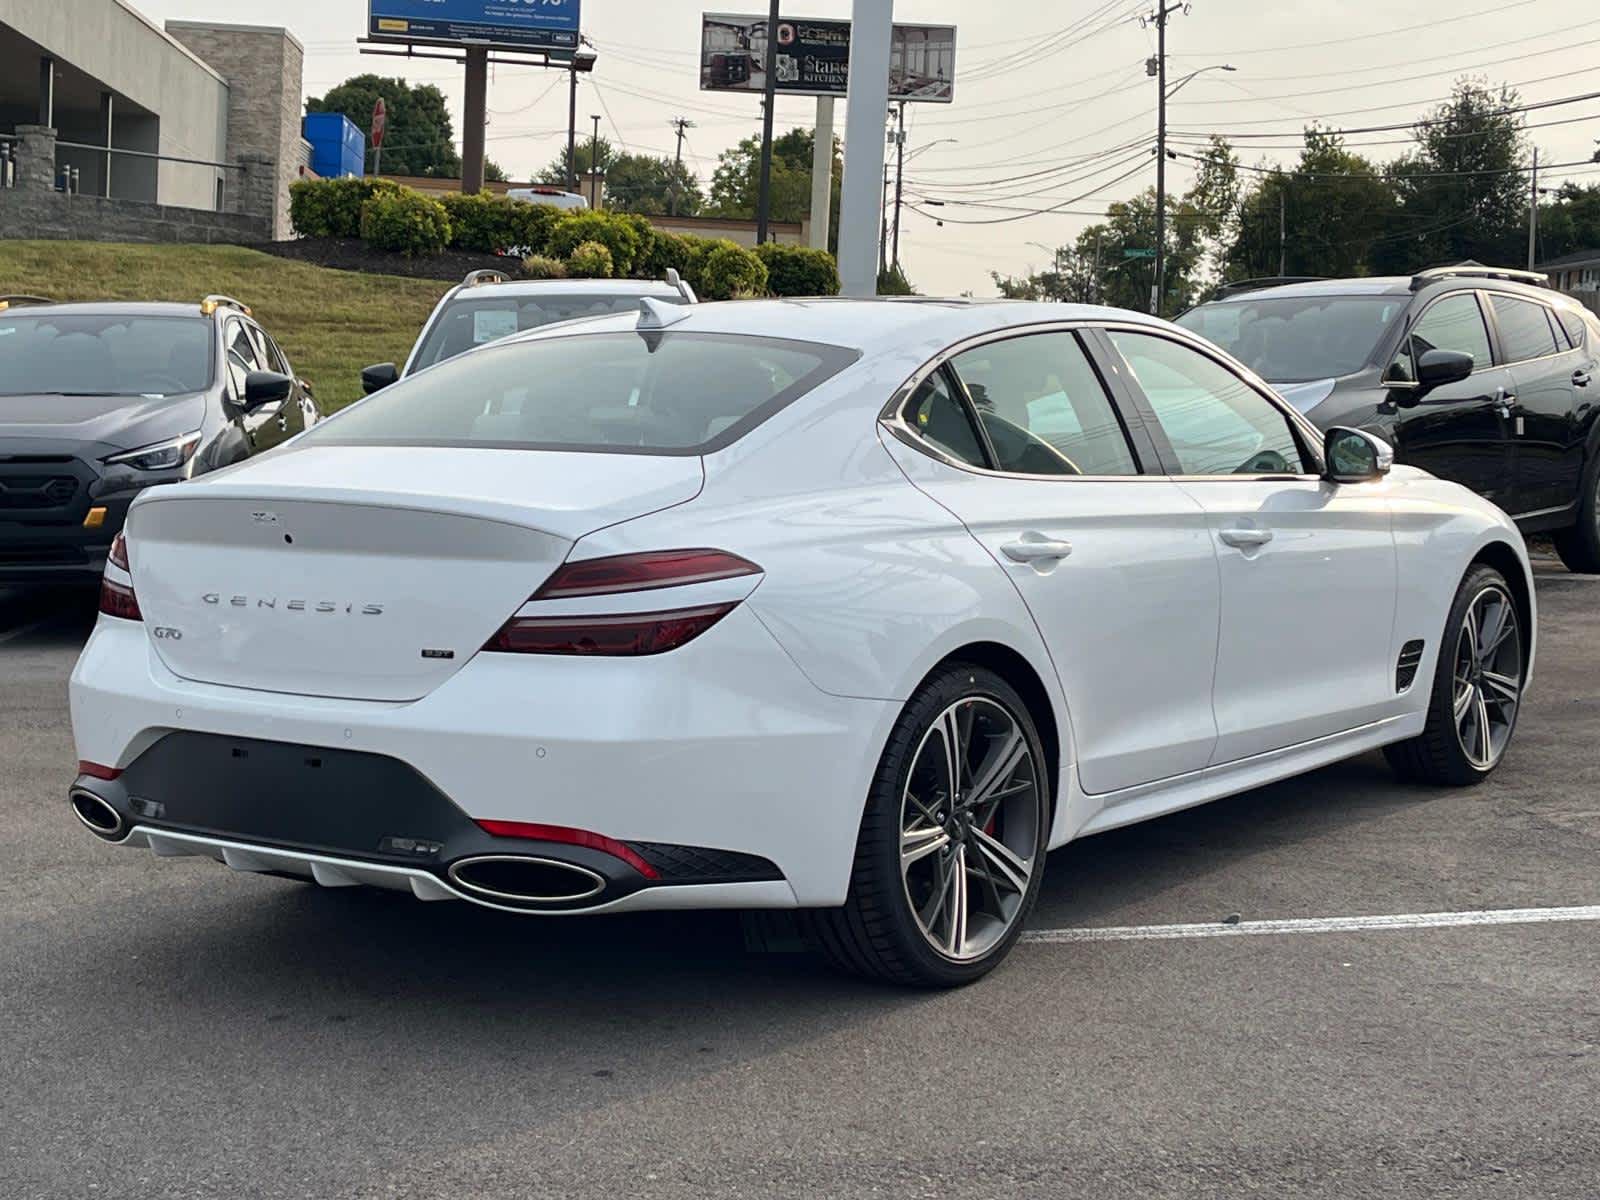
[594, 162]
[1163, 94]
[1055, 261]
[582, 61]
[902, 158]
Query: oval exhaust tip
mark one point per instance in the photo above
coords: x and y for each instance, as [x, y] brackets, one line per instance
[97, 815]
[522, 879]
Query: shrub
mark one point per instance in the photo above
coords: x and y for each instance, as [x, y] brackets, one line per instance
[537, 266]
[482, 223]
[531, 225]
[799, 270]
[591, 260]
[332, 207]
[672, 250]
[405, 222]
[612, 230]
[893, 282]
[730, 272]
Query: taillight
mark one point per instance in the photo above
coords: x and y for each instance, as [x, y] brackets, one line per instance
[119, 551]
[619, 634]
[641, 572]
[118, 600]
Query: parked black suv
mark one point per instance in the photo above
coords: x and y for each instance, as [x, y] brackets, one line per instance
[100, 401]
[1476, 374]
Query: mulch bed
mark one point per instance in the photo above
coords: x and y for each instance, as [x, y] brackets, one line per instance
[352, 254]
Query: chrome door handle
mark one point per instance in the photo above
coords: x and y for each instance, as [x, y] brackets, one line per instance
[1245, 539]
[1036, 549]
[1580, 378]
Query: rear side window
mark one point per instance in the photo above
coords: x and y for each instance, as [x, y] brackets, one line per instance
[643, 393]
[935, 413]
[1572, 322]
[1524, 329]
[470, 322]
[1044, 408]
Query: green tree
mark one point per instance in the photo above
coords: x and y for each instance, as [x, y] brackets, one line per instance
[1570, 221]
[419, 139]
[588, 152]
[1463, 191]
[1334, 209]
[736, 183]
[644, 183]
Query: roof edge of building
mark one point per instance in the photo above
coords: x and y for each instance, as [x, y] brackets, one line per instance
[161, 33]
[233, 27]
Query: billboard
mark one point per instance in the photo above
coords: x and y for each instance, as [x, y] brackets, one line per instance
[814, 57]
[525, 24]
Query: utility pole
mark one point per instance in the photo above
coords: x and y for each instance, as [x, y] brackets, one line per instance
[474, 117]
[680, 124]
[594, 162]
[764, 196]
[1533, 211]
[1283, 240]
[899, 178]
[1162, 12]
[572, 129]
[883, 236]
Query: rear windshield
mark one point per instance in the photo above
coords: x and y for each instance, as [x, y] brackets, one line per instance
[103, 355]
[1292, 339]
[644, 393]
[468, 323]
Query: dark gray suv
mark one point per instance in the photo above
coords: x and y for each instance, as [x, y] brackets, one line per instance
[99, 401]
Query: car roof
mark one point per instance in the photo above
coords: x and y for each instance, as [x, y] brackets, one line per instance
[1390, 285]
[567, 287]
[864, 325]
[121, 308]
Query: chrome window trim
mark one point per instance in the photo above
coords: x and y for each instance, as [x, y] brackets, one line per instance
[1312, 436]
[891, 415]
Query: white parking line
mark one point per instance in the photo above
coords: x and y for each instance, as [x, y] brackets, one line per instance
[30, 627]
[1439, 920]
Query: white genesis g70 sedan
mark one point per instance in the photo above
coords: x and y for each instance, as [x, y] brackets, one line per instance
[852, 607]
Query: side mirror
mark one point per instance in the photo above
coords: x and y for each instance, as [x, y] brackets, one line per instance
[377, 377]
[1355, 456]
[265, 387]
[1435, 367]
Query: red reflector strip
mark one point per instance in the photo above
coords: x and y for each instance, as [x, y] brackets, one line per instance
[118, 600]
[570, 837]
[618, 634]
[641, 572]
[96, 771]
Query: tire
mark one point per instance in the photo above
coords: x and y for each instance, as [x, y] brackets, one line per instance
[1579, 544]
[1476, 693]
[997, 831]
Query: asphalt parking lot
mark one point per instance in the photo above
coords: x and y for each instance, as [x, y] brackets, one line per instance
[169, 1028]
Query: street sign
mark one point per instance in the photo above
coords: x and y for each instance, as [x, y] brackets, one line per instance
[380, 122]
[520, 24]
[1138, 254]
[813, 57]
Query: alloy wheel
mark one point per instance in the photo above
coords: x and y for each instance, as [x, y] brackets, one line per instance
[1486, 686]
[969, 828]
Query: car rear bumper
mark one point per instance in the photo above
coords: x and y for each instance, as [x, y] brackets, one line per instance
[736, 779]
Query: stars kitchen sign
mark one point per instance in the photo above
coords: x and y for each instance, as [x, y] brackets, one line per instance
[813, 57]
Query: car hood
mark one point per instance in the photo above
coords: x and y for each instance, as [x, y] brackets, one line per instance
[1308, 394]
[114, 422]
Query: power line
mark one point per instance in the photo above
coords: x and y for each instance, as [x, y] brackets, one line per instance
[1023, 214]
[1455, 18]
[1425, 122]
[1439, 100]
[1399, 173]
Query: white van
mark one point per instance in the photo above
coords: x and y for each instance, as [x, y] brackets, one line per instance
[548, 195]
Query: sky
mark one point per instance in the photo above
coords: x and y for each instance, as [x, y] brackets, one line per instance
[1044, 89]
